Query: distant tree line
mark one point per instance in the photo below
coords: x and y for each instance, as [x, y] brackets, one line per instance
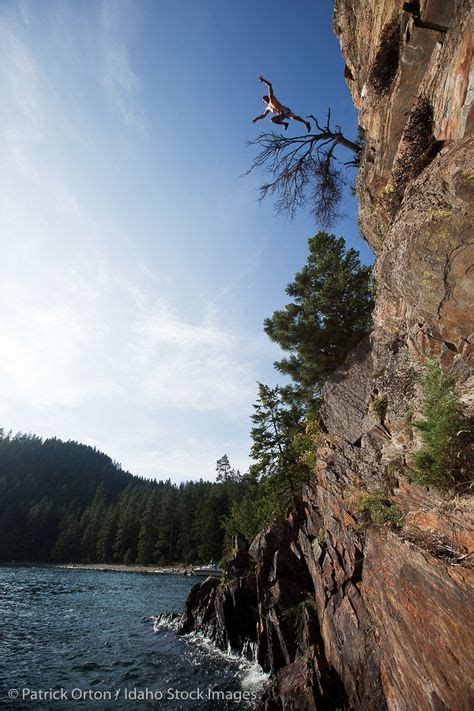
[68, 502]
[63, 501]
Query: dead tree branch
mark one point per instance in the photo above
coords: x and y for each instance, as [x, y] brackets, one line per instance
[304, 169]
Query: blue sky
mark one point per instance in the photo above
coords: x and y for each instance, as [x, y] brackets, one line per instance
[137, 265]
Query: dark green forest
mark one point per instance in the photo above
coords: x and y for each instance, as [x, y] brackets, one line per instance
[68, 502]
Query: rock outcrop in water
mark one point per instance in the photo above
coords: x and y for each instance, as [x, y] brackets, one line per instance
[345, 614]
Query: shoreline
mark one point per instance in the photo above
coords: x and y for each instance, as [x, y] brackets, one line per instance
[107, 567]
[122, 568]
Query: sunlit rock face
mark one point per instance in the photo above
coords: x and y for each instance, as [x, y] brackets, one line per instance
[394, 607]
[410, 74]
[400, 70]
[344, 613]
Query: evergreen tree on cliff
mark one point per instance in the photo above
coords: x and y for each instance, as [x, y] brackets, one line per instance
[277, 466]
[329, 313]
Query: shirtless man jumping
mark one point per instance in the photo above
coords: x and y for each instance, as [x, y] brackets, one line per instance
[275, 107]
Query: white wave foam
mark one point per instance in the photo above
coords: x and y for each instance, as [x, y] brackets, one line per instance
[160, 623]
[250, 674]
[254, 678]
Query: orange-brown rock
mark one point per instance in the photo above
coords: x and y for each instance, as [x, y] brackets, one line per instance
[423, 64]
[395, 605]
[348, 613]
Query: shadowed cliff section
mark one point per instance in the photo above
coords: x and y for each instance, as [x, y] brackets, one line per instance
[362, 597]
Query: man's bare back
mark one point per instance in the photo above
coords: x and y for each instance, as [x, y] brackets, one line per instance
[274, 106]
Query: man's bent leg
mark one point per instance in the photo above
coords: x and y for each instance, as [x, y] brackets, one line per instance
[280, 120]
[298, 118]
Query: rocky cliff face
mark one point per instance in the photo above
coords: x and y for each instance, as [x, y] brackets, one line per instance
[346, 614]
[413, 87]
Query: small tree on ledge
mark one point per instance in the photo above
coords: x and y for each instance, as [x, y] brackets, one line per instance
[304, 169]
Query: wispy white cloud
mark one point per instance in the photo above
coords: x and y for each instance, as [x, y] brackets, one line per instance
[189, 457]
[21, 116]
[69, 337]
[193, 366]
[131, 357]
[32, 118]
[118, 77]
[90, 345]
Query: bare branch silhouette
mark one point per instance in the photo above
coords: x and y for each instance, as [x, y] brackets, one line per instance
[304, 169]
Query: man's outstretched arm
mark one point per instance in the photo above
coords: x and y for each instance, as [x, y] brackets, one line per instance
[262, 116]
[269, 85]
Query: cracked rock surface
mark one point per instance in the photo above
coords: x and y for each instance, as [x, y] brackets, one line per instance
[343, 613]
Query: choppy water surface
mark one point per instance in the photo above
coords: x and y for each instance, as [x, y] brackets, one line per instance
[90, 636]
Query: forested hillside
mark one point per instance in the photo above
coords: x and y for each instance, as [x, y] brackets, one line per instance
[64, 501]
[361, 596]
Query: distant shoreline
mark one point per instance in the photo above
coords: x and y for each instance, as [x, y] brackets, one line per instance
[121, 568]
[107, 567]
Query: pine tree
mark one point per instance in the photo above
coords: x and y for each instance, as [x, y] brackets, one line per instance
[148, 529]
[41, 529]
[329, 313]
[277, 465]
[165, 546]
[91, 521]
[106, 535]
[244, 515]
[126, 540]
[67, 547]
[212, 515]
[190, 495]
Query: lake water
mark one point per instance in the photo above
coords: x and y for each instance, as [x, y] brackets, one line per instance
[72, 638]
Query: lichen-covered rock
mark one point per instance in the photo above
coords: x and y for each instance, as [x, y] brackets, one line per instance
[426, 265]
[392, 608]
[347, 613]
[420, 606]
[346, 395]
[398, 59]
[393, 605]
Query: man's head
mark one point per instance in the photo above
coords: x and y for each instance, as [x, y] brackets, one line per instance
[265, 99]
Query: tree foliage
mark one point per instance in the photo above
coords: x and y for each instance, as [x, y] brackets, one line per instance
[329, 313]
[284, 441]
[277, 467]
[445, 456]
[66, 502]
[245, 515]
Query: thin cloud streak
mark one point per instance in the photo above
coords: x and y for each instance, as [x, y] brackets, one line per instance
[118, 77]
[95, 346]
[78, 345]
